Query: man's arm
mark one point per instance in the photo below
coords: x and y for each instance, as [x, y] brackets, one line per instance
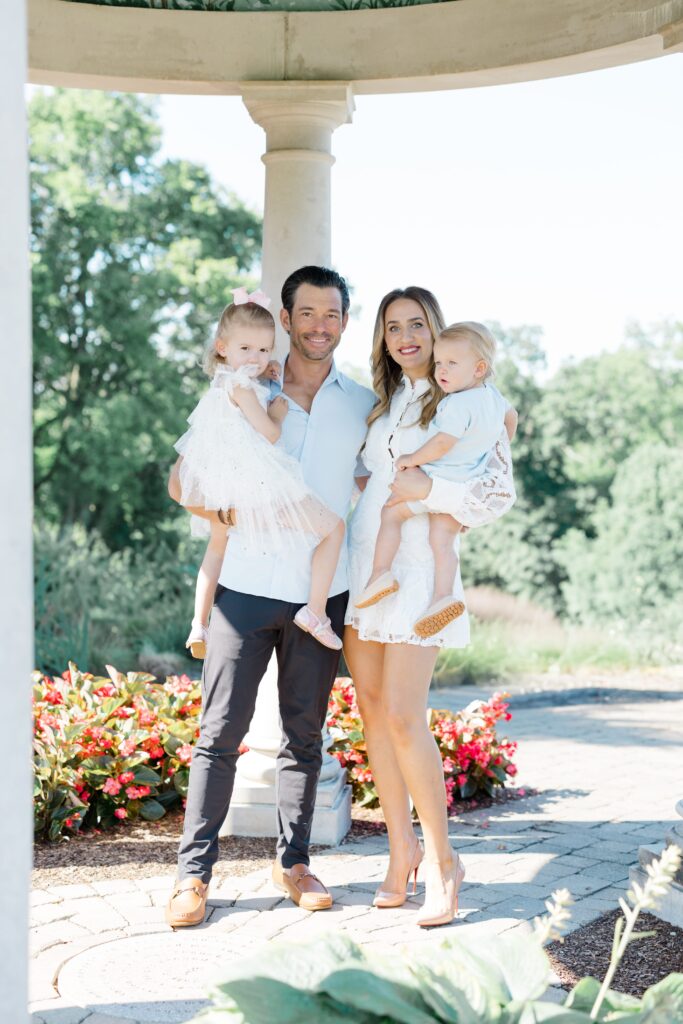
[174, 491]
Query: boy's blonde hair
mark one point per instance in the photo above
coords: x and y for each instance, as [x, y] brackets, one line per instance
[479, 337]
[246, 314]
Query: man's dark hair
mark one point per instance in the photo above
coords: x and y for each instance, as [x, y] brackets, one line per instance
[319, 277]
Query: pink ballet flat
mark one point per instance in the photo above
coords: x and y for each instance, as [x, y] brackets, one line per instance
[321, 629]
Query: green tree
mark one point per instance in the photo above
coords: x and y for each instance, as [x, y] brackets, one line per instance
[631, 572]
[133, 258]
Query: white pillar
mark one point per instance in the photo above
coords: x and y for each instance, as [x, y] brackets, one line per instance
[298, 119]
[16, 605]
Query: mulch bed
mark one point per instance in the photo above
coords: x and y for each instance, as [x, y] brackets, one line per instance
[646, 961]
[143, 848]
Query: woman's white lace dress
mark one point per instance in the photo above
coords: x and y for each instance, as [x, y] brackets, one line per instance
[228, 464]
[391, 621]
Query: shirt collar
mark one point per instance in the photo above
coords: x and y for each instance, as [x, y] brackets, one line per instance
[334, 377]
[419, 388]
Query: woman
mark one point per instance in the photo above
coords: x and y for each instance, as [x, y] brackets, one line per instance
[391, 666]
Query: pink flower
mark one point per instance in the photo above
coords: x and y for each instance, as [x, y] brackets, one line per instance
[511, 769]
[121, 812]
[184, 753]
[127, 748]
[112, 787]
[126, 777]
[462, 780]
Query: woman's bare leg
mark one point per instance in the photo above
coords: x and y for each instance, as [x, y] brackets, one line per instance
[407, 672]
[323, 568]
[366, 664]
[443, 530]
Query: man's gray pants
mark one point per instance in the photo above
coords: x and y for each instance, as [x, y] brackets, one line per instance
[243, 633]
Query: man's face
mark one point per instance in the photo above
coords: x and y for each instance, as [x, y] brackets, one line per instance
[316, 324]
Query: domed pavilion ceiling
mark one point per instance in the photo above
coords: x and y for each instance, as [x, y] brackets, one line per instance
[261, 5]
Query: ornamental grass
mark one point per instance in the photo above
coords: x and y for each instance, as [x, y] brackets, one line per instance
[111, 749]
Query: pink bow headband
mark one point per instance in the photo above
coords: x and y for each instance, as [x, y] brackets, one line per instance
[241, 295]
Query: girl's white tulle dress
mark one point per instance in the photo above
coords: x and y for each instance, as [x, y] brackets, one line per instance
[228, 464]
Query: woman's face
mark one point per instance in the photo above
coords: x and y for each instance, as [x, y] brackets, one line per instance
[408, 337]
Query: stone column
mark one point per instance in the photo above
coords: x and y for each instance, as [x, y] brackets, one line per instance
[298, 120]
[16, 602]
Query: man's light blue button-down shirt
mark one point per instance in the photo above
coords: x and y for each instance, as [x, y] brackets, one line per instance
[326, 442]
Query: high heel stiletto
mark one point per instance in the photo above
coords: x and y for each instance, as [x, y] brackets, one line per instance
[441, 901]
[384, 900]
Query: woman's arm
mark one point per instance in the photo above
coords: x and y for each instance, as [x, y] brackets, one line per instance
[511, 420]
[430, 451]
[246, 400]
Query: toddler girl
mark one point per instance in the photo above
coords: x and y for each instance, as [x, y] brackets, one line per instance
[232, 464]
[469, 445]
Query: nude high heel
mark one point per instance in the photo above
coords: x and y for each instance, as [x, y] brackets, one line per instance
[385, 900]
[441, 901]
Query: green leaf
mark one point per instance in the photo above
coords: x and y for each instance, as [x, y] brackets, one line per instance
[145, 776]
[151, 810]
[363, 987]
[181, 781]
[583, 995]
[663, 1002]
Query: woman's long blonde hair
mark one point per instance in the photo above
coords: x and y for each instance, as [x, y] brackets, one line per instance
[387, 374]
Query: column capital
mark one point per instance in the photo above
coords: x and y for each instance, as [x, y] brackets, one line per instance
[299, 105]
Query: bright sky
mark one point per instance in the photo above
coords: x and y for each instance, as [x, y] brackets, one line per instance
[554, 203]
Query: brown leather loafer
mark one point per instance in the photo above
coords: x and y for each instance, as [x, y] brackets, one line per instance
[302, 886]
[187, 905]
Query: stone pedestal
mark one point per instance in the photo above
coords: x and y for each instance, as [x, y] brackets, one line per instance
[252, 809]
[299, 119]
[671, 907]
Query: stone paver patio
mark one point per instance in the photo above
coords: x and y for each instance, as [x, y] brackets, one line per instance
[607, 780]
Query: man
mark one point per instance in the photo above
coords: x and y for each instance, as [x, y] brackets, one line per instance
[253, 615]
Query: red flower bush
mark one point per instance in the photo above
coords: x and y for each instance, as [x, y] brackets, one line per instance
[110, 749]
[475, 759]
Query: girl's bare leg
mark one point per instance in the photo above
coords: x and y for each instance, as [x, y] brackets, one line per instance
[209, 571]
[389, 538]
[323, 568]
[407, 673]
[443, 530]
[366, 664]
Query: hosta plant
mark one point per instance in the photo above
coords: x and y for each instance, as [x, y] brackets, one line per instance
[472, 980]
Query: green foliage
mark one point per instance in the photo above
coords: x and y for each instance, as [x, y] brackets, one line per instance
[132, 260]
[109, 749]
[492, 980]
[631, 571]
[98, 607]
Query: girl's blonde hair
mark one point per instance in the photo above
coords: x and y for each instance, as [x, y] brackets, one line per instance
[247, 314]
[387, 374]
[479, 337]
